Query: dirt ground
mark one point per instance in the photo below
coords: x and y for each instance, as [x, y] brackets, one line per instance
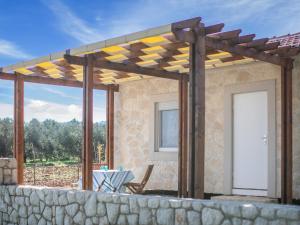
[53, 176]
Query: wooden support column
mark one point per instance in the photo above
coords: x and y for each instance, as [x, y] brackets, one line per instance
[19, 127]
[183, 141]
[197, 113]
[110, 127]
[286, 133]
[87, 121]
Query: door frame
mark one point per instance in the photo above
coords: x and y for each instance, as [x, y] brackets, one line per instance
[230, 90]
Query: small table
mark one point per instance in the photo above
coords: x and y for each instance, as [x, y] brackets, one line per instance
[110, 180]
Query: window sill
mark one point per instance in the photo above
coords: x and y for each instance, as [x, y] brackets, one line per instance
[168, 150]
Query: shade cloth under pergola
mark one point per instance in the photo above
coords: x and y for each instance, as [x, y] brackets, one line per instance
[156, 48]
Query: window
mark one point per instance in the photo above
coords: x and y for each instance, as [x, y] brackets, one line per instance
[166, 126]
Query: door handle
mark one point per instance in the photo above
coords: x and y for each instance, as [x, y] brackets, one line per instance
[265, 139]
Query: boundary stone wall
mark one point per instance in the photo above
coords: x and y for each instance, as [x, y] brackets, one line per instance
[48, 206]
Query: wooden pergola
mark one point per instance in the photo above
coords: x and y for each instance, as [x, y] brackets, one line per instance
[180, 51]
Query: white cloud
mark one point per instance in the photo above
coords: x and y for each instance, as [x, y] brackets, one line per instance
[43, 110]
[231, 12]
[278, 15]
[239, 11]
[60, 93]
[11, 50]
[71, 24]
[285, 18]
[264, 17]
[6, 110]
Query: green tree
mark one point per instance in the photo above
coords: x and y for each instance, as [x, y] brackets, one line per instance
[6, 137]
[99, 137]
[71, 138]
[33, 147]
[50, 140]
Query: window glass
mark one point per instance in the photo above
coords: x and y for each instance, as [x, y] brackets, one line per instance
[168, 128]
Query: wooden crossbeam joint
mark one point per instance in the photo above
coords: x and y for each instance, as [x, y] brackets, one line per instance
[184, 24]
[184, 30]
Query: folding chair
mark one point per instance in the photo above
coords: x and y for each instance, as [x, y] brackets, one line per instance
[138, 188]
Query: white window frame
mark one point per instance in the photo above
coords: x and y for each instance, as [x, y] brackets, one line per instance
[163, 106]
[154, 154]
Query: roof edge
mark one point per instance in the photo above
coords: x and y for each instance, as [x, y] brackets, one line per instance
[92, 47]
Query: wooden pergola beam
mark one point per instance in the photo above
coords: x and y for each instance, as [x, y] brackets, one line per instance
[244, 51]
[214, 28]
[110, 127]
[87, 121]
[128, 68]
[196, 37]
[242, 39]
[183, 138]
[292, 52]
[7, 76]
[269, 46]
[226, 35]
[258, 43]
[50, 81]
[282, 51]
[286, 132]
[19, 128]
[197, 114]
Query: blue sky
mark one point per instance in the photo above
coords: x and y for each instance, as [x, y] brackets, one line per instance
[34, 28]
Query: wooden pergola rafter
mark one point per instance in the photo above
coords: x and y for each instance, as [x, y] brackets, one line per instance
[181, 51]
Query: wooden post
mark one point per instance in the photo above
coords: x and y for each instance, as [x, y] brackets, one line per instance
[87, 121]
[182, 150]
[19, 128]
[286, 133]
[110, 126]
[197, 113]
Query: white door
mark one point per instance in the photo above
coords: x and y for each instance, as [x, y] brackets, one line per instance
[250, 143]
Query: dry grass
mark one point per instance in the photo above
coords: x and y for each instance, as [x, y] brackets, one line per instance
[53, 176]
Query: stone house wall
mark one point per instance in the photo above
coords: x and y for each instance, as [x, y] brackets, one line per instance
[132, 124]
[41, 206]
